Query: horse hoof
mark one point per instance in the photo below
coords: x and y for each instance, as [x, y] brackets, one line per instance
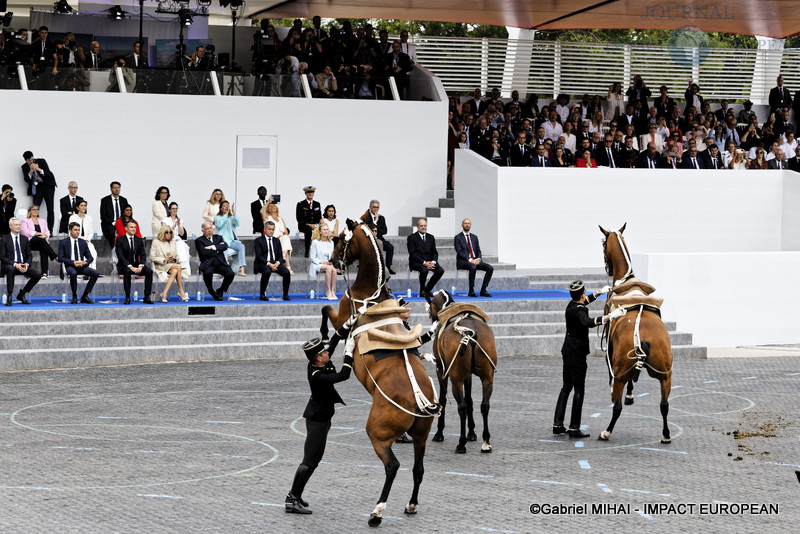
[438, 437]
[411, 508]
[460, 449]
[628, 400]
[374, 520]
[486, 447]
[604, 435]
[665, 440]
[472, 437]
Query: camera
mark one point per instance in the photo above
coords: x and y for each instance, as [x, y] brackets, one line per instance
[673, 154]
[276, 199]
[10, 195]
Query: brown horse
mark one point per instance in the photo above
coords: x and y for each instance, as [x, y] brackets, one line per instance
[394, 407]
[463, 347]
[641, 323]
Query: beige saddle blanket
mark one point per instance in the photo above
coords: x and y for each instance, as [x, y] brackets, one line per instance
[388, 331]
[633, 293]
[461, 307]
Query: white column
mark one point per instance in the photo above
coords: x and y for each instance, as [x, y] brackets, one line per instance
[518, 61]
[766, 69]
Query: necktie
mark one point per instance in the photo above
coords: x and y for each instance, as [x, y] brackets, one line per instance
[75, 254]
[610, 158]
[17, 249]
[694, 163]
[116, 208]
[423, 237]
[133, 258]
[715, 163]
[469, 246]
[73, 204]
[269, 246]
[541, 161]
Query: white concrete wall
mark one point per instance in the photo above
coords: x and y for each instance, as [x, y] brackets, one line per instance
[352, 151]
[727, 299]
[790, 235]
[476, 196]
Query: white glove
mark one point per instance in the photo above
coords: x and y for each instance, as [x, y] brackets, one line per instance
[433, 327]
[350, 346]
[604, 290]
[616, 314]
[428, 357]
[351, 321]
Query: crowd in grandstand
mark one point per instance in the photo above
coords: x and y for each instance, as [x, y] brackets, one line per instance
[631, 128]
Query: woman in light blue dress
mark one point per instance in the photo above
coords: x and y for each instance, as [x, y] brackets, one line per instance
[225, 221]
[320, 259]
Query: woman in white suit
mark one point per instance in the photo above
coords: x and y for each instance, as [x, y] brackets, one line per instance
[164, 254]
[319, 259]
[160, 208]
[87, 228]
[179, 236]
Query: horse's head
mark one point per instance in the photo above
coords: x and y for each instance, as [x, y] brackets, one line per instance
[345, 245]
[441, 299]
[615, 253]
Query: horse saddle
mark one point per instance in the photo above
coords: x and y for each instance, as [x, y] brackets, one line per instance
[634, 292]
[459, 308]
[381, 328]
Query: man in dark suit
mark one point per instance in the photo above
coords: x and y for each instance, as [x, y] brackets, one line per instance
[664, 103]
[308, 214]
[93, 60]
[468, 257]
[42, 54]
[211, 251]
[779, 161]
[41, 183]
[131, 260]
[379, 221]
[200, 61]
[69, 206]
[648, 158]
[481, 139]
[794, 162]
[8, 204]
[604, 155]
[779, 97]
[111, 208]
[520, 153]
[74, 254]
[712, 159]
[691, 160]
[541, 159]
[423, 257]
[269, 259]
[15, 258]
[255, 210]
[136, 60]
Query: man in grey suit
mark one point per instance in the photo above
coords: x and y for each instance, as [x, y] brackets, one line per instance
[211, 250]
[423, 257]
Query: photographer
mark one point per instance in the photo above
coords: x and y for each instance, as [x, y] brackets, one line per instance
[287, 68]
[9, 204]
[127, 76]
[68, 66]
[200, 61]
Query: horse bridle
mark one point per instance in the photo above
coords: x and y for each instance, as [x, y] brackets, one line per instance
[348, 237]
[625, 253]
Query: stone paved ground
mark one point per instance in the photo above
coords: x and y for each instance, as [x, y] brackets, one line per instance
[206, 447]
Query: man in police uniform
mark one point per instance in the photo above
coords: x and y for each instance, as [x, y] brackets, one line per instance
[308, 215]
[574, 352]
[322, 376]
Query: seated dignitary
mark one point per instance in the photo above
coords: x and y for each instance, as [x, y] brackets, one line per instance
[269, 259]
[211, 251]
[131, 260]
[320, 259]
[87, 229]
[167, 263]
[423, 257]
[36, 230]
[226, 222]
[68, 206]
[380, 223]
[468, 257]
[15, 257]
[74, 254]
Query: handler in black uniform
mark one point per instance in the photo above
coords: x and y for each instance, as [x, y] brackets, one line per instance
[574, 352]
[308, 215]
[322, 375]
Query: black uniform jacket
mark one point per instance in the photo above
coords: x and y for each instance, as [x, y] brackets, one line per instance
[576, 342]
[320, 406]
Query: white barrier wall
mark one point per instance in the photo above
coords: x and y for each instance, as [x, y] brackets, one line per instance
[549, 218]
[352, 151]
[727, 299]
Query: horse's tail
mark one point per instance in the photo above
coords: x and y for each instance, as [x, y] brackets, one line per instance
[641, 359]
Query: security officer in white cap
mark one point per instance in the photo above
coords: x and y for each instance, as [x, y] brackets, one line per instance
[322, 376]
[308, 214]
[574, 352]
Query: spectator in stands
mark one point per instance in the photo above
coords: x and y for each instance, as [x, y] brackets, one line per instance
[408, 48]
[616, 101]
[759, 162]
[166, 262]
[778, 162]
[132, 260]
[722, 113]
[552, 129]
[794, 162]
[74, 253]
[664, 103]
[475, 102]
[649, 158]
[179, 236]
[541, 159]
[618, 143]
[38, 233]
[160, 208]
[693, 98]
[596, 124]
[271, 213]
[15, 258]
[520, 153]
[329, 218]
[586, 160]
[136, 60]
[779, 97]
[782, 123]
[423, 257]
[627, 118]
[398, 64]
[372, 214]
[255, 210]
[111, 207]
[468, 257]
[739, 161]
[560, 158]
[789, 142]
[570, 141]
[93, 61]
[745, 113]
[652, 137]
[82, 218]
[269, 259]
[595, 106]
[127, 76]
[729, 153]
[212, 205]
[41, 183]
[712, 158]
[226, 223]
[604, 155]
[121, 225]
[772, 150]
[595, 143]
[481, 138]
[211, 252]
[629, 147]
[326, 82]
[721, 134]
[320, 259]
[638, 92]
[43, 56]
[68, 206]
[530, 110]
[8, 204]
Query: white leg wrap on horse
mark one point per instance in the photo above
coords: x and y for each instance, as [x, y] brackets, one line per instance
[486, 447]
[411, 508]
[605, 434]
[378, 511]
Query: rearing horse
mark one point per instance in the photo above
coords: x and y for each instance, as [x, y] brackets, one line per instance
[637, 339]
[395, 401]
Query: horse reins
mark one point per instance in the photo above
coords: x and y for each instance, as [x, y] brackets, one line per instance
[365, 303]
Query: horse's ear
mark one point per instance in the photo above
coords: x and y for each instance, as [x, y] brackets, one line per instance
[623, 228]
[428, 298]
[605, 232]
[335, 241]
[351, 224]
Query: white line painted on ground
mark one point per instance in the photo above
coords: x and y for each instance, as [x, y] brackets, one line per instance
[646, 492]
[328, 463]
[230, 455]
[676, 387]
[225, 422]
[72, 448]
[379, 467]
[387, 517]
[557, 482]
[342, 428]
[644, 515]
[787, 374]
[584, 464]
[710, 381]
[784, 465]
[552, 440]
[467, 474]
[579, 444]
[584, 427]
[487, 529]
[595, 414]
[642, 394]
[749, 378]
[38, 488]
[459, 435]
[152, 452]
[155, 496]
[662, 450]
[268, 504]
[108, 417]
[604, 488]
